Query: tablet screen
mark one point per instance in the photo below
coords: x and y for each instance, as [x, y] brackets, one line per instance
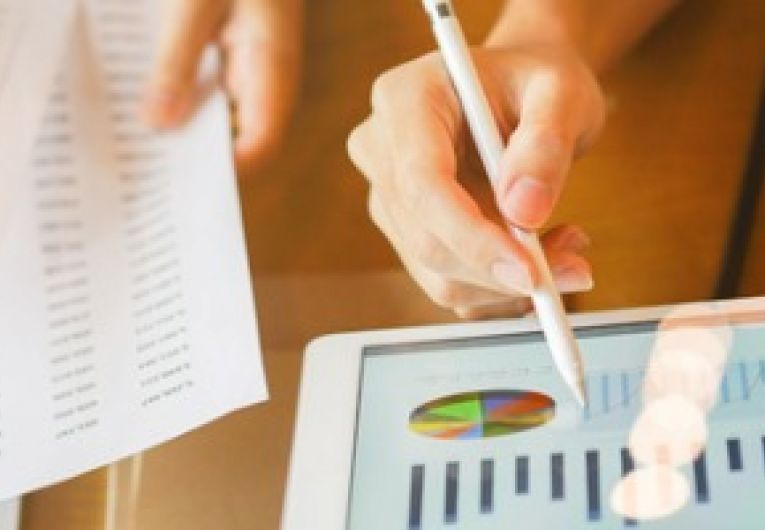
[482, 433]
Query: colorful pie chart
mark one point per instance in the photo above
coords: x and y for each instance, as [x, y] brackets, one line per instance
[482, 414]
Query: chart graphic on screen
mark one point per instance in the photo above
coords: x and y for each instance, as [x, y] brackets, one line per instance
[481, 435]
[484, 414]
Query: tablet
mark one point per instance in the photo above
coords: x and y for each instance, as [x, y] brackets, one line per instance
[10, 510]
[469, 426]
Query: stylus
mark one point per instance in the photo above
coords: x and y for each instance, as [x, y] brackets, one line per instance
[547, 301]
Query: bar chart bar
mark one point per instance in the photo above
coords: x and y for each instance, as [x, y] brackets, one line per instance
[725, 389]
[487, 486]
[593, 485]
[744, 380]
[700, 479]
[628, 466]
[735, 463]
[625, 378]
[557, 476]
[451, 492]
[522, 475]
[415, 497]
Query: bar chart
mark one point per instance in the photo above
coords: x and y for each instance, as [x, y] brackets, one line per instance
[552, 478]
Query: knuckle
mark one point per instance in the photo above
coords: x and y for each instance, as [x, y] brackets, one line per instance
[353, 144]
[382, 87]
[419, 181]
[419, 166]
[413, 83]
[480, 250]
[416, 198]
[446, 293]
[431, 252]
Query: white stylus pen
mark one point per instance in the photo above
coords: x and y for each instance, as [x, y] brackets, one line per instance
[547, 300]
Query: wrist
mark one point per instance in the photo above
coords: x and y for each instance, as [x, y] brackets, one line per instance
[549, 23]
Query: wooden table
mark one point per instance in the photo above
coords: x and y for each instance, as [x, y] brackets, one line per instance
[656, 194]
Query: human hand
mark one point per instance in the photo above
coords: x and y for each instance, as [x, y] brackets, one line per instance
[416, 151]
[261, 44]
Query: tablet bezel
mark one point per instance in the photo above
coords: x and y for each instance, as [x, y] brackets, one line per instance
[323, 447]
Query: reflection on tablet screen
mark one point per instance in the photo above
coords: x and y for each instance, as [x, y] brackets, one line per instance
[483, 434]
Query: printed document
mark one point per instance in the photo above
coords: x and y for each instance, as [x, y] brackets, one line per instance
[126, 310]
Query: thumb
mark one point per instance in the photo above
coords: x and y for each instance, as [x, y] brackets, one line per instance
[188, 26]
[537, 158]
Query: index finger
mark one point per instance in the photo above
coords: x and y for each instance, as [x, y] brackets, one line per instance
[187, 27]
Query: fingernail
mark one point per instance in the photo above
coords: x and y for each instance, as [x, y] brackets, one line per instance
[575, 238]
[528, 202]
[513, 277]
[573, 280]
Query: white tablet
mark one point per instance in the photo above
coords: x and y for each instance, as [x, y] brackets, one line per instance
[469, 426]
[10, 510]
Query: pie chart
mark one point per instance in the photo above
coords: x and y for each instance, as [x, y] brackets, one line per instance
[482, 414]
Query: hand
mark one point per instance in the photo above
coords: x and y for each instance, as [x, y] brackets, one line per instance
[260, 40]
[417, 154]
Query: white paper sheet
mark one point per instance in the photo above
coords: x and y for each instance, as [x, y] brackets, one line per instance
[32, 33]
[31, 37]
[126, 314]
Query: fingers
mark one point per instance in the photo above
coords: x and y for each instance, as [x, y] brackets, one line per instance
[417, 116]
[188, 26]
[563, 246]
[261, 42]
[262, 45]
[470, 299]
[466, 299]
[408, 149]
[445, 279]
[560, 113]
[566, 237]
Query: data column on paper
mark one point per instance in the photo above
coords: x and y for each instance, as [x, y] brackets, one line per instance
[51, 370]
[195, 350]
[32, 33]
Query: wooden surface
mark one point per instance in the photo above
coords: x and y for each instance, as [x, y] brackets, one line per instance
[656, 194]
[77, 504]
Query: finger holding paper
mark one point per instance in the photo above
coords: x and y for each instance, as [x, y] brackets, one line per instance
[261, 45]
